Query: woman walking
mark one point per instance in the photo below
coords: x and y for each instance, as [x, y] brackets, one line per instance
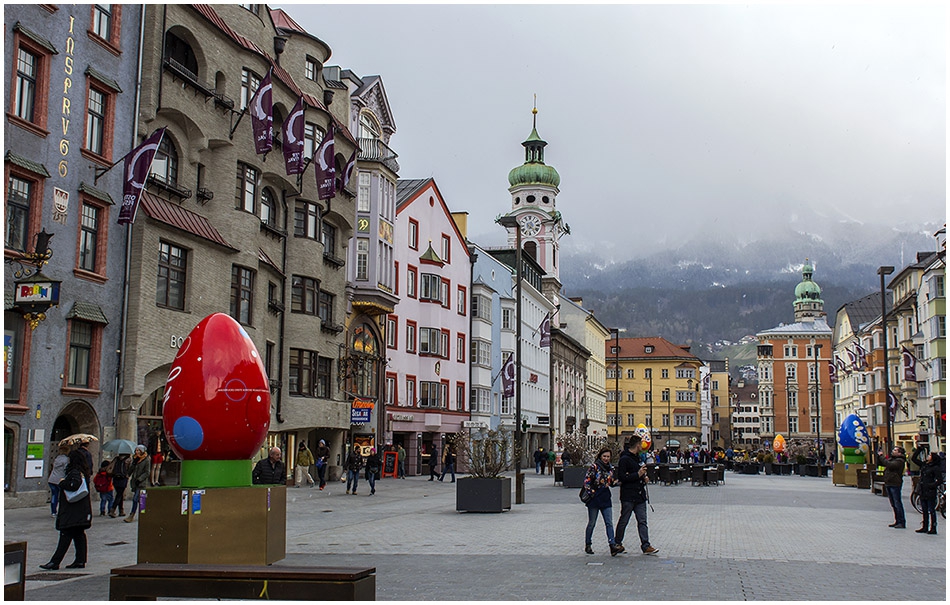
[930, 479]
[120, 480]
[74, 517]
[353, 464]
[56, 474]
[138, 478]
[600, 476]
[373, 466]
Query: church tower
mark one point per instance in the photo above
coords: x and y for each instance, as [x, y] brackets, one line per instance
[534, 189]
[808, 303]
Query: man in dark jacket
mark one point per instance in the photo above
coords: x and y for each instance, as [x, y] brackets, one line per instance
[270, 470]
[893, 481]
[433, 462]
[633, 495]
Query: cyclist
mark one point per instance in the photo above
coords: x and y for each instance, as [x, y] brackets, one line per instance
[930, 479]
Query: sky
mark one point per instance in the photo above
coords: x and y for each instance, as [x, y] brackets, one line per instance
[665, 122]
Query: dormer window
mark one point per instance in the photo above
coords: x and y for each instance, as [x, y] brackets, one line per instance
[648, 349]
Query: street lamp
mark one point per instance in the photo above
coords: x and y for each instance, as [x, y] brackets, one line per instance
[819, 452]
[650, 372]
[616, 332]
[669, 417]
[882, 271]
[511, 222]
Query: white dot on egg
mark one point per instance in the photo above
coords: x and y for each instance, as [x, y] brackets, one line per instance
[258, 398]
[253, 353]
[199, 359]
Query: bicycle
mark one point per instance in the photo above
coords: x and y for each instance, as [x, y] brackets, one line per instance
[941, 500]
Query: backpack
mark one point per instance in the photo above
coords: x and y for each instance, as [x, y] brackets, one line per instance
[102, 482]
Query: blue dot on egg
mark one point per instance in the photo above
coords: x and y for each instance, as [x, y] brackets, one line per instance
[188, 433]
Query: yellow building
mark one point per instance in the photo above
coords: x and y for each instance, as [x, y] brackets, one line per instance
[657, 382]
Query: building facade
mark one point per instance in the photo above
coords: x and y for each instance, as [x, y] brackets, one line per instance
[223, 229]
[795, 394]
[428, 367]
[639, 369]
[719, 388]
[71, 72]
[746, 422]
[584, 327]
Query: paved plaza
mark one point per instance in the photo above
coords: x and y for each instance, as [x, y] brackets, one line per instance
[755, 538]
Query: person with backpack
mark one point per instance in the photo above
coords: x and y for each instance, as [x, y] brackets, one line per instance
[120, 480]
[599, 478]
[103, 484]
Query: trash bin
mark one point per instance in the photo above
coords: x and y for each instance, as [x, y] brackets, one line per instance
[864, 478]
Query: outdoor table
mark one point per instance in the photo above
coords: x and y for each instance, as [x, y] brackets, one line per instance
[710, 475]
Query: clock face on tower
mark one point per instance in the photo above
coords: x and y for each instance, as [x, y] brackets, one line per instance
[530, 225]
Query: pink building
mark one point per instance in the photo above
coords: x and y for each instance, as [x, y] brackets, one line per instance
[426, 384]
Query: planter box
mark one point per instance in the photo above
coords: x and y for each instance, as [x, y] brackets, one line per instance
[574, 476]
[477, 495]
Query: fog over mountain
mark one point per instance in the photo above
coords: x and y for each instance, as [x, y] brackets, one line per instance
[713, 287]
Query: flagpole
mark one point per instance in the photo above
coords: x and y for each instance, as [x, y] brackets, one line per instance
[882, 271]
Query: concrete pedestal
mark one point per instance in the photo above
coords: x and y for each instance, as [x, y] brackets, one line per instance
[216, 525]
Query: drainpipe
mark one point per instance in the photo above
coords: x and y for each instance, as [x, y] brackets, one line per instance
[124, 329]
[283, 314]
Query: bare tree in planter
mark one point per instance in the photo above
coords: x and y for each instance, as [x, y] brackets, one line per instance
[487, 454]
[581, 450]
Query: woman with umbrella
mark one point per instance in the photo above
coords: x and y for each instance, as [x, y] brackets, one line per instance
[74, 517]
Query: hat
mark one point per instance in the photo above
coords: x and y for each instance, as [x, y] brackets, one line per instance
[140, 447]
[303, 445]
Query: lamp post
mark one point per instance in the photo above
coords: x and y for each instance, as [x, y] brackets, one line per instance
[509, 221]
[819, 452]
[650, 372]
[669, 417]
[882, 271]
[616, 332]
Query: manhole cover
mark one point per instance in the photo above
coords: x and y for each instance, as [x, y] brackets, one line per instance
[54, 576]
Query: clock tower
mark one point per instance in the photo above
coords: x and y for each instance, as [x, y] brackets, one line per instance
[534, 189]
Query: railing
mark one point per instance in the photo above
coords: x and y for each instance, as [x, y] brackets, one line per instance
[336, 261]
[377, 151]
[187, 75]
[173, 188]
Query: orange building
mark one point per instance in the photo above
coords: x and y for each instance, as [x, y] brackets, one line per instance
[796, 399]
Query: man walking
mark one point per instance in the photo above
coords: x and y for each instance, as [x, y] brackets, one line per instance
[321, 459]
[632, 475]
[401, 455]
[893, 481]
[433, 462]
[448, 462]
[302, 468]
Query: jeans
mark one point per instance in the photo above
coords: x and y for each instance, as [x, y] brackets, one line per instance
[352, 477]
[371, 477]
[322, 474]
[640, 511]
[448, 468]
[930, 513]
[607, 513]
[135, 501]
[402, 469]
[537, 467]
[70, 534]
[119, 483]
[105, 501]
[53, 497]
[894, 495]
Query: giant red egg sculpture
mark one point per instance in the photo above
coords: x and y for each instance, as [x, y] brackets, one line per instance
[217, 397]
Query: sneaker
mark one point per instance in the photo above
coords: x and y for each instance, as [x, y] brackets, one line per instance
[321, 487]
[347, 491]
[649, 550]
[588, 549]
[616, 549]
[112, 514]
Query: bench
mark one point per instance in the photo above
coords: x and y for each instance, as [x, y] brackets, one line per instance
[148, 581]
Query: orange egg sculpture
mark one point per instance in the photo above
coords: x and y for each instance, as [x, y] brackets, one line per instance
[778, 444]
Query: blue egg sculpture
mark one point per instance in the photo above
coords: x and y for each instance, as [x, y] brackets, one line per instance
[853, 433]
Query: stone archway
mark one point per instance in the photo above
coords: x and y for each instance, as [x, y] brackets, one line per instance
[77, 416]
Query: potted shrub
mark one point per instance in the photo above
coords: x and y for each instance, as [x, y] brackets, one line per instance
[487, 454]
[767, 460]
[575, 445]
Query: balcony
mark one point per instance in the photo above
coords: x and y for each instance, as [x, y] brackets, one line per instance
[334, 261]
[375, 150]
[181, 72]
[168, 186]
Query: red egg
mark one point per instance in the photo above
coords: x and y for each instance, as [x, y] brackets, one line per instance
[217, 398]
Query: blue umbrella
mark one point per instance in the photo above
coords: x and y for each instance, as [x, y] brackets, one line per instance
[119, 446]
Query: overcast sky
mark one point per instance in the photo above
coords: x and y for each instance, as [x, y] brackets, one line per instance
[663, 120]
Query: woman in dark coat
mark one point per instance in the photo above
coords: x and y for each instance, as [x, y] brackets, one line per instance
[74, 518]
[599, 478]
[930, 479]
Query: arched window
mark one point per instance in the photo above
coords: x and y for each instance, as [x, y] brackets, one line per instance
[531, 249]
[369, 127]
[268, 207]
[165, 164]
[180, 52]
[364, 351]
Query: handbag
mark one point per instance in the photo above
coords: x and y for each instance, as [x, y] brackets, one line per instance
[79, 493]
[586, 495]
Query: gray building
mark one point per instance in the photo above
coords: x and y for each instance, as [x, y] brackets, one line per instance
[222, 229]
[70, 114]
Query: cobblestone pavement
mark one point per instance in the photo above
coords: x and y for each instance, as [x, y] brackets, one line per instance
[755, 538]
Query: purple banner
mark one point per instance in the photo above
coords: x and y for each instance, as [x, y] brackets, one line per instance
[347, 172]
[508, 376]
[546, 331]
[293, 139]
[262, 116]
[138, 163]
[325, 169]
[910, 365]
